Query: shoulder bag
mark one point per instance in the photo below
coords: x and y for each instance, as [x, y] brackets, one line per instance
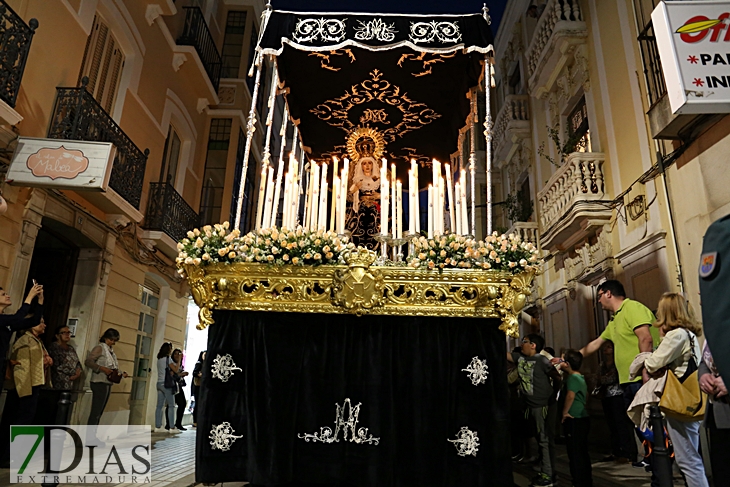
[682, 398]
[170, 382]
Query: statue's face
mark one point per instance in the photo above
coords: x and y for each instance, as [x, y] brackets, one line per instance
[367, 167]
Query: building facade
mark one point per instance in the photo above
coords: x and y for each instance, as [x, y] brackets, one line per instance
[591, 164]
[164, 81]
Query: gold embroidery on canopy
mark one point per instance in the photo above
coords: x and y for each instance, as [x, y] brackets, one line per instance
[426, 59]
[324, 59]
[376, 90]
[378, 115]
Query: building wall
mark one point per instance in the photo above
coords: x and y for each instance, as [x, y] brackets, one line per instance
[161, 84]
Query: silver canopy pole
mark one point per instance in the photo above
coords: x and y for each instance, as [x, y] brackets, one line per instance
[473, 159]
[488, 137]
[250, 128]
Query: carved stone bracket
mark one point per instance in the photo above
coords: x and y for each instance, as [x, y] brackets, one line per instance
[359, 288]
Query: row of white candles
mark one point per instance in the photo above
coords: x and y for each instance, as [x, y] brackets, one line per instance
[391, 198]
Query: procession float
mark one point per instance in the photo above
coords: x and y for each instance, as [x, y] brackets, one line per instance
[357, 331]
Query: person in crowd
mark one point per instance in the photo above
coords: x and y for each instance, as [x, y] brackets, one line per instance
[576, 421]
[28, 315]
[539, 385]
[679, 351]
[195, 387]
[103, 362]
[631, 332]
[623, 445]
[180, 400]
[717, 417]
[165, 393]
[65, 370]
[30, 362]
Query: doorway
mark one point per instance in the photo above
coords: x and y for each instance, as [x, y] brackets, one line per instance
[143, 356]
[53, 264]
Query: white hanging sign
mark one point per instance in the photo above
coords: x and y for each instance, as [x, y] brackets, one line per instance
[62, 164]
[693, 39]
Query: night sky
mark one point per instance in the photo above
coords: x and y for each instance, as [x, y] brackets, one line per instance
[496, 7]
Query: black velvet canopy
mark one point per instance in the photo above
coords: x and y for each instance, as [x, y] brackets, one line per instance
[406, 76]
[291, 372]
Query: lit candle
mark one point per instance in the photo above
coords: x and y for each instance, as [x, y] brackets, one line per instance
[442, 205]
[277, 191]
[464, 215]
[322, 221]
[262, 198]
[314, 213]
[414, 166]
[430, 211]
[285, 204]
[391, 183]
[335, 218]
[456, 209]
[450, 188]
[399, 213]
[269, 198]
[411, 203]
[335, 189]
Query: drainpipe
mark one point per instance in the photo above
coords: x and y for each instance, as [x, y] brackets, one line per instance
[672, 231]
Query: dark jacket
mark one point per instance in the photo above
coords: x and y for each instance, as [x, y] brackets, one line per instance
[198, 369]
[17, 322]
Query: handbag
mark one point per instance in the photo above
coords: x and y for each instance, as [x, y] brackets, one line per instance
[9, 369]
[114, 376]
[682, 398]
[170, 382]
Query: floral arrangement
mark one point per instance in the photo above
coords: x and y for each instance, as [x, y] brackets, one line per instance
[213, 244]
[498, 252]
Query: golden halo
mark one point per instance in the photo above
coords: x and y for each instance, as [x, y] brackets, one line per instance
[360, 133]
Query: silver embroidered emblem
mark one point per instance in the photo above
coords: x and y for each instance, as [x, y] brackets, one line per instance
[466, 442]
[347, 426]
[375, 29]
[222, 437]
[223, 367]
[444, 32]
[478, 371]
[326, 30]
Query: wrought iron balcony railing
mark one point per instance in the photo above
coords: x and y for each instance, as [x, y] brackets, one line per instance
[196, 33]
[78, 116]
[15, 39]
[168, 211]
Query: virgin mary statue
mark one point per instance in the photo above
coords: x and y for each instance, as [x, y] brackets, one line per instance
[363, 217]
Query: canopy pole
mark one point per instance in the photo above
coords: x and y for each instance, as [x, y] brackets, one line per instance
[488, 138]
[473, 159]
[250, 127]
[267, 149]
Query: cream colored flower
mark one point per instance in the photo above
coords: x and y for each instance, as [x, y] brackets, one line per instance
[196, 232]
[285, 257]
[191, 235]
[223, 251]
[231, 255]
[206, 256]
[317, 256]
[270, 258]
[295, 260]
[523, 262]
[189, 260]
[196, 261]
[199, 243]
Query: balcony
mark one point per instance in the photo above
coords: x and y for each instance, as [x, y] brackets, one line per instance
[195, 33]
[573, 202]
[78, 116]
[15, 39]
[168, 218]
[558, 31]
[527, 231]
[512, 124]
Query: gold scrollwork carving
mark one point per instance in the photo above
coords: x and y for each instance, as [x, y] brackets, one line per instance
[360, 288]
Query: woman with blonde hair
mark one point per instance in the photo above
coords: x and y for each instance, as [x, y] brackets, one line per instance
[679, 351]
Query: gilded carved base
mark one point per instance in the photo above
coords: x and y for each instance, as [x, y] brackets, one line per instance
[360, 288]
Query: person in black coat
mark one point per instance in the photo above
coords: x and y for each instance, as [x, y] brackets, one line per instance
[28, 315]
[195, 387]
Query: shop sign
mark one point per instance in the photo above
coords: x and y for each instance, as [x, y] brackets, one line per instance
[694, 47]
[62, 164]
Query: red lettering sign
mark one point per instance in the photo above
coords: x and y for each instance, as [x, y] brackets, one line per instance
[57, 163]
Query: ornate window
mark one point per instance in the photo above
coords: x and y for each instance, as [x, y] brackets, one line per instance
[578, 130]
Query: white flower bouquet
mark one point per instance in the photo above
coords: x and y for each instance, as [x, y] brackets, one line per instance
[498, 252]
[268, 246]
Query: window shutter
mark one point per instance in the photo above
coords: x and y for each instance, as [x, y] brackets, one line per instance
[103, 62]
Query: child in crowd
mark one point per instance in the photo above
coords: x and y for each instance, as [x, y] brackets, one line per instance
[576, 422]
